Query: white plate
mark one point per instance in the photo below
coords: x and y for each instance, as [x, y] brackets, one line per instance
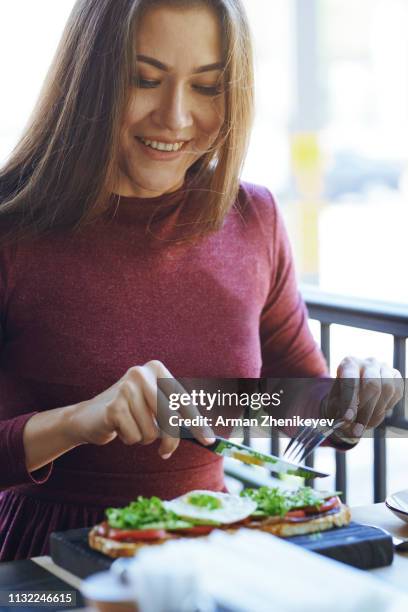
[398, 504]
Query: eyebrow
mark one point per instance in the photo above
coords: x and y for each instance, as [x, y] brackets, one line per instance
[154, 62]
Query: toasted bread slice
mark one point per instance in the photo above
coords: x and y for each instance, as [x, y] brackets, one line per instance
[314, 525]
[115, 549]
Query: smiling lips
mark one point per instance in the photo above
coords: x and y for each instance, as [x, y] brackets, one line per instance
[162, 146]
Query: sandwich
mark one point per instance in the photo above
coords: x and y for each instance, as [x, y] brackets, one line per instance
[151, 521]
[291, 513]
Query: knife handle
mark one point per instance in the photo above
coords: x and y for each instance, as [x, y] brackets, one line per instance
[186, 434]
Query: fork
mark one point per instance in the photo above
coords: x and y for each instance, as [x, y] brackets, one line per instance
[303, 445]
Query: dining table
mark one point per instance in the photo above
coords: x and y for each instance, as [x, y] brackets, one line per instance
[377, 515]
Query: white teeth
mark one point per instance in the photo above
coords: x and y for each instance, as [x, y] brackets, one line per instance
[162, 146]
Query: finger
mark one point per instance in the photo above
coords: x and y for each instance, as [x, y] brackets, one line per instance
[398, 390]
[153, 375]
[371, 381]
[170, 387]
[387, 395]
[122, 420]
[170, 435]
[349, 367]
[141, 413]
[203, 433]
[144, 378]
[342, 401]
[167, 446]
[369, 396]
[346, 391]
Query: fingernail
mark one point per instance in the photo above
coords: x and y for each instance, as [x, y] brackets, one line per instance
[349, 414]
[166, 456]
[209, 440]
[358, 430]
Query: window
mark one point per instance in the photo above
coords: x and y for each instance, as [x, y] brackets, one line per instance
[331, 135]
[29, 35]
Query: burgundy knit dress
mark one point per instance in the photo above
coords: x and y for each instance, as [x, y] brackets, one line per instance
[77, 310]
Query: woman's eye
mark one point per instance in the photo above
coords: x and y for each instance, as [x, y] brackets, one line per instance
[207, 90]
[145, 83]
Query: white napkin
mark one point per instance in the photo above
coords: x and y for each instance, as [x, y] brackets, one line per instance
[250, 571]
[169, 582]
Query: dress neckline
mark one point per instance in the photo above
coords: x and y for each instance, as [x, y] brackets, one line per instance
[133, 208]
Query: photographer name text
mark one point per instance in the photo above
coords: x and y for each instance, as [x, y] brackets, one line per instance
[265, 420]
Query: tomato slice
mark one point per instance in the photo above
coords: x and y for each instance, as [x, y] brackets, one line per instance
[329, 504]
[296, 514]
[196, 530]
[136, 534]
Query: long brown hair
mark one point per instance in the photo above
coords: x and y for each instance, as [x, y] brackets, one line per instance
[58, 175]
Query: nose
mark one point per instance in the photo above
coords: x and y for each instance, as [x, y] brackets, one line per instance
[174, 112]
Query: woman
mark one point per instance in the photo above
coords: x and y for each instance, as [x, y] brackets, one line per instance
[131, 252]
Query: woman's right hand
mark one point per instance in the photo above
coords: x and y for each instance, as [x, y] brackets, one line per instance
[128, 410]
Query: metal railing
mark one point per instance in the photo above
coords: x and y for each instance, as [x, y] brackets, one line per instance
[383, 317]
[377, 316]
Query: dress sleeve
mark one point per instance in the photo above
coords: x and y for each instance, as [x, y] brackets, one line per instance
[288, 347]
[12, 455]
[13, 470]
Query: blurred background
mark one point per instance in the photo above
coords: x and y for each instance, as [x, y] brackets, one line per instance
[330, 141]
[330, 137]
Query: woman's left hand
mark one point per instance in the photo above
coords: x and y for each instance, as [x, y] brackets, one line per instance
[365, 391]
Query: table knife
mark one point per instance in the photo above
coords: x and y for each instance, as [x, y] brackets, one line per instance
[246, 454]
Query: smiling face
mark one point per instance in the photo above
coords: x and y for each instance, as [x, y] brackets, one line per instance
[176, 108]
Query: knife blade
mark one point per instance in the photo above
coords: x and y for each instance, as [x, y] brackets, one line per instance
[246, 454]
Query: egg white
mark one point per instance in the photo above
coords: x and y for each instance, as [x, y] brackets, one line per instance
[233, 508]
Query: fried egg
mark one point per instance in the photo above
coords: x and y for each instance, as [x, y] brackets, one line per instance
[221, 508]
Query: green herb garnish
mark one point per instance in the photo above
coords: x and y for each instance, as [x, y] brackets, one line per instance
[273, 501]
[202, 500]
[145, 513]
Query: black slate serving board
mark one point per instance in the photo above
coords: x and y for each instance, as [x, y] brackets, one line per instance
[357, 545]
